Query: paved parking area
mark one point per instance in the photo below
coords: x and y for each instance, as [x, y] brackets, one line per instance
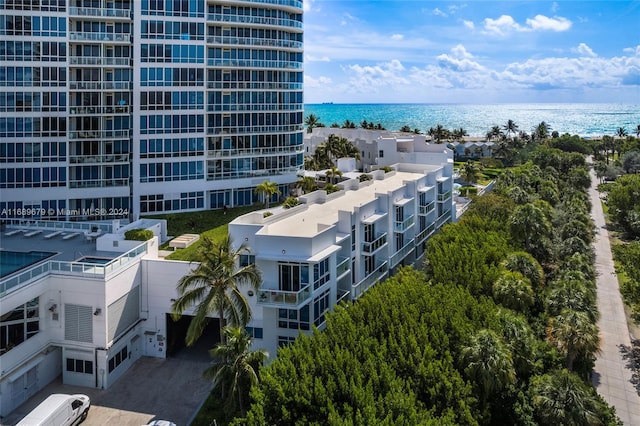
[170, 389]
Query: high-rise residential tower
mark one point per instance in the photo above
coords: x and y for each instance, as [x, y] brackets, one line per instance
[116, 108]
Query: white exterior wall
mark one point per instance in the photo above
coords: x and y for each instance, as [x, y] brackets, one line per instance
[48, 350]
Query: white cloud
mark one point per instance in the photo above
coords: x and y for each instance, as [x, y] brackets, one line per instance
[505, 24]
[459, 60]
[321, 81]
[397, 37]
[311, 58]
[469, 24]
[501, 26]
[347, 18]
[438, 12]
[584, 50]
[632, 50]
[459, 70]
[544, 23]
[370, 77]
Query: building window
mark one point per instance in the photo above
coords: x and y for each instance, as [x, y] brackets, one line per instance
[294, 319]
[285, 341]
[353, 237]
[118, 359]
[369, 232]
[321, 273]
[320, 307]
[247, 259]
[19, 324]
[79, 366]
[380, 154]
[255, 332]
[293, 276]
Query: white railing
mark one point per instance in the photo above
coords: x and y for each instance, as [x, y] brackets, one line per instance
[99, 85]
[77, 35]
[269, 296]
[97, 134]
[57, 225]
[56, 267]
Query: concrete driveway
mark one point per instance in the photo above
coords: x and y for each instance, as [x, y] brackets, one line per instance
[153, 389]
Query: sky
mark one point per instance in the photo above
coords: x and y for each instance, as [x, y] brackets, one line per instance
[473, 52]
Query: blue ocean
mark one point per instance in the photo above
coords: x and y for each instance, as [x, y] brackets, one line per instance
[583, 119]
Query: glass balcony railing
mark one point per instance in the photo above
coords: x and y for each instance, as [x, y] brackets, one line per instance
[254, 41]
[344, 265]
[423, 210]
[98, 60]
[97, 134]
[99, 11]
[404, 225]
[425, 233]
[267, 296]
[91, 36]
[378, 274]
[100, 85]
[56, 267]
[445, 196]
[443, 219]
[401, 254]
[373, 246]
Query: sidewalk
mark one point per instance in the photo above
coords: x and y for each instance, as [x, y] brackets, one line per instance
[612, 376]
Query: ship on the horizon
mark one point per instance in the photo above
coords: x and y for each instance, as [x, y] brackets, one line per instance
[327, 103]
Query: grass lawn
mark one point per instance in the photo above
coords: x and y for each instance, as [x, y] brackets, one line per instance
[210, 223]
[211, 410]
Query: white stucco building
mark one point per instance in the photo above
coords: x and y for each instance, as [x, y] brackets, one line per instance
[335, 247]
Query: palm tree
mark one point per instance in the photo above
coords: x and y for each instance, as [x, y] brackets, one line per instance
[237, 366]
[541, 132]
[213, 288]
[510, 127]
[405, 129]
[638, 131]
[621, 132]
[459, 134]
[575, 334]
[494, 133]
[307, 184]
[333, 173]
[348, 124]
[311, 121]
[267, 189]
[562, 398]
[574, 295]
[339, 147]
[608, 145]
[513, 290]
[438, 133]
[470, 172]
[530, 226]
[488, 363]
[527, 265]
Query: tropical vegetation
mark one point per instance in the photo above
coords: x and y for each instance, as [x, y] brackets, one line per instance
[212, 288]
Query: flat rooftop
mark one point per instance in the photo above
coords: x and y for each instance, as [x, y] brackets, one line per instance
[69, 250]
[306, 223]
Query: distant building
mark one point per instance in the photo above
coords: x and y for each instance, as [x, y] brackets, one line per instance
[379, 148]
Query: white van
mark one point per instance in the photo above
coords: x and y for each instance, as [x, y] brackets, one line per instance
[59, 410]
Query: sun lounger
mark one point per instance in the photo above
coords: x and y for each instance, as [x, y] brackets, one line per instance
[70, 236]
[14, 232]
[32, 233]
[51, 235]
